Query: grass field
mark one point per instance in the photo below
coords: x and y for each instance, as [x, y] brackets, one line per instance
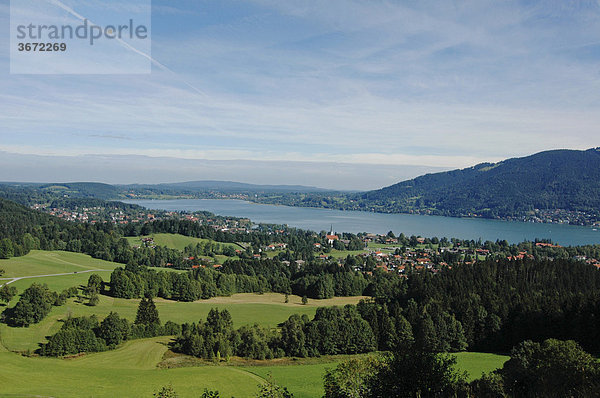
[304, 381]
[39, 262]
[175, 241]
[476, 363]
[131, 370]
[266, 309]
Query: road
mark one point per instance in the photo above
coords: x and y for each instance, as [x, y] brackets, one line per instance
[11, 280]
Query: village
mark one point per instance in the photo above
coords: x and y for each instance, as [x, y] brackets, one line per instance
[427, 256]
[382, 253]
[138, 215]
[379, 253]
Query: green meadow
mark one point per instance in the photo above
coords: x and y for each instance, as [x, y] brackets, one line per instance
[267, 309]
[132, 370]
[175, 241]
[304, 381]
[477, 363]
[39, 262]
[129, 371]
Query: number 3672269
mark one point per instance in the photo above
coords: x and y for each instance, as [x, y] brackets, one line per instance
[42, 46]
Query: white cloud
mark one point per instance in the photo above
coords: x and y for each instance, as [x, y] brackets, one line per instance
[445, 85]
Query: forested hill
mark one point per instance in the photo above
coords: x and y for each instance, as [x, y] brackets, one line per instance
[557, 179]
[32, 193]
[16, 219]
[18, 223]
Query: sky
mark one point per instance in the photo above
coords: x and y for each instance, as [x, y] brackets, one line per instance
[337, 94]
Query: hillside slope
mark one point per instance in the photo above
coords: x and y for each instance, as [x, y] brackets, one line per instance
[16, 220]
[557, 179]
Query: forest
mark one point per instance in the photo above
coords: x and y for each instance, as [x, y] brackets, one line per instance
[529, 188]
[559, 179]
[490, 306]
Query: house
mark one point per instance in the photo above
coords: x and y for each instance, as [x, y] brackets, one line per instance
[520, 256]
[541, 244]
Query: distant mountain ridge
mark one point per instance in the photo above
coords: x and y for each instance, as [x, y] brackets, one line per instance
[556, 179]
[552, 186]
[226, 186]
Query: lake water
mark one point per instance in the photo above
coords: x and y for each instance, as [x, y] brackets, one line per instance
[409, 224]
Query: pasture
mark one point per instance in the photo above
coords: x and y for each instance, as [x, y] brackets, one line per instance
[39, 262]
[131, 370]
[128, 371]
[476, 363]
[267, 309]
[175, 241]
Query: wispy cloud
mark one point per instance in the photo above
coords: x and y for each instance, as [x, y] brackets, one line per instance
[395, 83]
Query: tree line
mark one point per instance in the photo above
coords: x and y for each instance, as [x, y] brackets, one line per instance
[87, 334]
[551, 368]
[501, 303]
[34, 304]
[333, 330]
[486, 306]
[318, 281]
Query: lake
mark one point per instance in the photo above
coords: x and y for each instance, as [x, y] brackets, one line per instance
[409, 224]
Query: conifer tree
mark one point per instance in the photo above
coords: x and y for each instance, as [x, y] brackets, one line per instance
[147, 314]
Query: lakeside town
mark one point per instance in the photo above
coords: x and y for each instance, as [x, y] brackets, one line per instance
[378, 253]
[331, 201]
[123, 215]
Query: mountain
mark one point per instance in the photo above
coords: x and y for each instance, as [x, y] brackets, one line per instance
[557, 179]
[223, 186]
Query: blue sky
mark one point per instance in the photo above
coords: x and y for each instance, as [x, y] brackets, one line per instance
[367, 84]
